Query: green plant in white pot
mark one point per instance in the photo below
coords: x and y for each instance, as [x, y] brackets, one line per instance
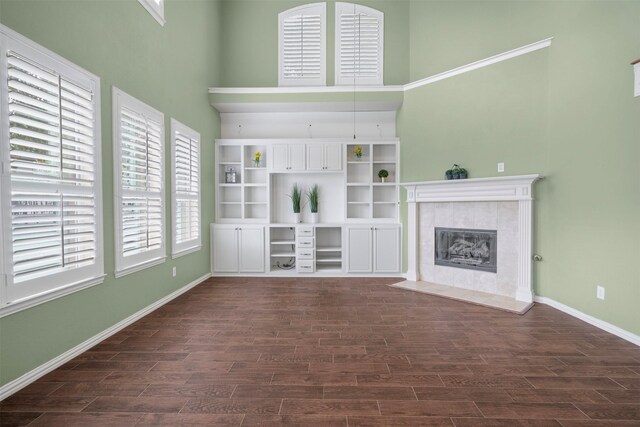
[383, 174]
[296, 200]
[312, 194]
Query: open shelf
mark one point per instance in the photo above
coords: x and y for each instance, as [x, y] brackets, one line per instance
[329, 249]
[351, 157]
[329, 268]
[329, 260]
[283, 242]
[283, 255]
[384, 153]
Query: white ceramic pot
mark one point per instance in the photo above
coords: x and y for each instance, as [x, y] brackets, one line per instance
[314, 217]
[298, 217]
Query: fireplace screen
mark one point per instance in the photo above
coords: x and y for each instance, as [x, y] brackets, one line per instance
[463, 248]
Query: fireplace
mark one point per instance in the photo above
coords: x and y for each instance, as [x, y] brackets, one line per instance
[466, 248]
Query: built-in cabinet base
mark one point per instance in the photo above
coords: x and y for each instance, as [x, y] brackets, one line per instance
[306, 249]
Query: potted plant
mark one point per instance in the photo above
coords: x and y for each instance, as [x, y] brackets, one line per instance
[256, 158]
[312, 194]
[296, 199]
[383, 174]
[456, 172]
[358, 152]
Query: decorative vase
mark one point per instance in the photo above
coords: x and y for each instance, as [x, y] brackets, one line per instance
[257, 163]
[298, 217]
[314, 217]
[383, 179]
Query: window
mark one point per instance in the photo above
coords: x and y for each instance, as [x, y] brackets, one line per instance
[359, 45]
[155, 8]
[301, 41]
[185, 189]
[51, 194]
[138, 132]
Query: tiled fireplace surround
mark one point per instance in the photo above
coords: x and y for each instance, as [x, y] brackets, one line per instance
[500, 216]
[503, 204]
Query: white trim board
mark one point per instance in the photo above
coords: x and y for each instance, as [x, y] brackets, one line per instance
[303, 89]
[31, 376]
[513, 53]
[523, 50]
[600, 324]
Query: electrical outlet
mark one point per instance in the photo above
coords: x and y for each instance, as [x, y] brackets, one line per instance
[175, 271]
[500, 167]
[600, 292]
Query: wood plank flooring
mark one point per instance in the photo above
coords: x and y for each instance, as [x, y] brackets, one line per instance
[339, 352]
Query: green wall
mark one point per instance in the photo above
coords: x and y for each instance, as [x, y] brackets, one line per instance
[167, 67]
[250, 28]
[566, 112]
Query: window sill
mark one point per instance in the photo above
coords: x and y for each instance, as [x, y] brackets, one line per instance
[186, 251]
[139, 267]
[32, 301]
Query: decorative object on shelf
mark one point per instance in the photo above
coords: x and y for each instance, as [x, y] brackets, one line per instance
[296, 199]
[358, 152]
[231, 176]
[312, 194]
[456, 172]
[256, 159]
[383, 174]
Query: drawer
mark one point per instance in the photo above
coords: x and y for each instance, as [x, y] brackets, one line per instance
[305, 242]
[304, 254]
[305, 231]
[305, 266]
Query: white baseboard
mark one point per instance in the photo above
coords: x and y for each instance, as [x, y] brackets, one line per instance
[31, 376]
[605, 326]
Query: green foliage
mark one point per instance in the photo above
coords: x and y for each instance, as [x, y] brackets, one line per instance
[383, 173]
[296, 198]
[312, 194]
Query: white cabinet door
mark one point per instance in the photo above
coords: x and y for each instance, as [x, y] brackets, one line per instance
[359, 247]
[333, 157]
[251, 249]
[386, 249]
[315, 157]
[279, 157]
[225, 249]
[297, 160]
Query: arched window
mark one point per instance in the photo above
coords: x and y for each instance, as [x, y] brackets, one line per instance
[359, 45]
[302, 46]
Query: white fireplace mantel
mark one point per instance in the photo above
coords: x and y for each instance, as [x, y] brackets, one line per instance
[507, 188]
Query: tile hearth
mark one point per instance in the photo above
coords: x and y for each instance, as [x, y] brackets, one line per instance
[467, 295]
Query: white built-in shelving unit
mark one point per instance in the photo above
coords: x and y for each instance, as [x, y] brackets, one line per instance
[307, 143]
[247, 198]
[367, 197]
[358, 232]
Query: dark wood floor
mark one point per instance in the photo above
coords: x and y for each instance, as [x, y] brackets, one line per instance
[335, 353]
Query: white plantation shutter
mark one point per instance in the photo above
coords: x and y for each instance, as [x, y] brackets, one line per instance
[302, 53]
[359, 45]
[50, 152]
[185, 191]
[138, 151]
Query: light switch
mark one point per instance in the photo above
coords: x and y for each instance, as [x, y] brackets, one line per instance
[500, 167]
